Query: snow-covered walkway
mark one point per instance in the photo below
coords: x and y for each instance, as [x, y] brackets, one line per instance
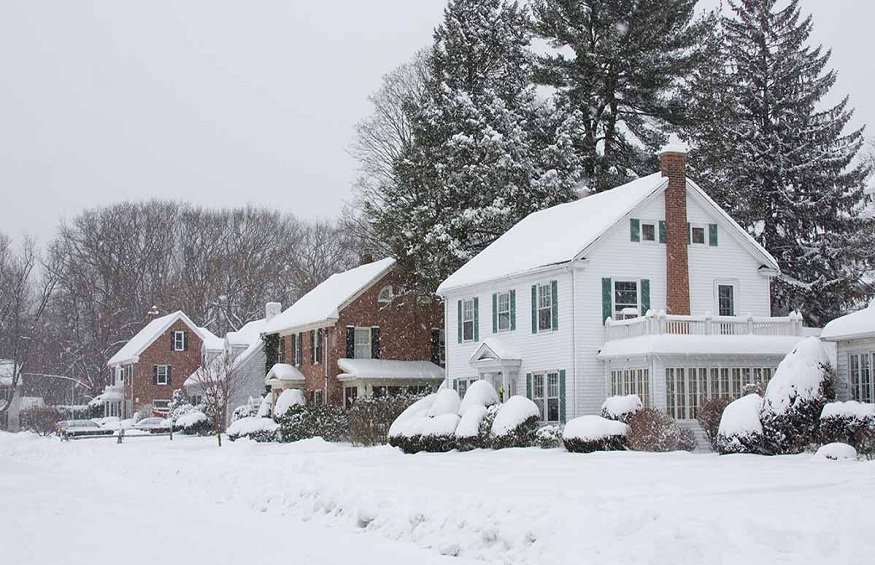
[149, 500]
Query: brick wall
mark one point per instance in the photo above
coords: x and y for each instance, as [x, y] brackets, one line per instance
[182, 363]
[673, 165]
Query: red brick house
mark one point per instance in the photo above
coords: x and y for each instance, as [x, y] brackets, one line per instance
[156, 361]
[352, 336]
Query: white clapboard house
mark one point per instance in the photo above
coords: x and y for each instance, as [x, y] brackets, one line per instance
[649, 288]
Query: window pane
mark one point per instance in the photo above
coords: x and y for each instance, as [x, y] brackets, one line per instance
[553, 385]
[503, 321]
[726, 300]
[362, 343]
[553, 410]
[538, 386]
[545, 319]
[698, 235]
[625, 296]
[468, 310]
[648, 232]
[468, 331]
[544, 298]
[539, 402]
[504, 302]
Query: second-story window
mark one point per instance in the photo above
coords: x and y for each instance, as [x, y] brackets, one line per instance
[545, 307]
[162, 374]
[625, 299]
[363, 343]
[319, 339]
[179, 341]
[468, 320]
[503, 311]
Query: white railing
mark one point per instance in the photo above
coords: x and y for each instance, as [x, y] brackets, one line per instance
[662, 323]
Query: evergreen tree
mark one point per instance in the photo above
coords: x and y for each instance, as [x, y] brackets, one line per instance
[484, 155]
[616, 67]
[779, 161]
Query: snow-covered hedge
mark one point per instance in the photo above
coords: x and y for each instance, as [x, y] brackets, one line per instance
[795, 398]
[480, 393]
[477, 411]
[250, 409]
[194, 422]
[428, 425]
[253, 427]
[621, 408]
[313, 420]
[594, 433]
[654, 430]
[289, 397]
[516, 423]
[741, 430]
[548, 437]
[265, 409]
[370, 417]
[849, 422]
[836, 452]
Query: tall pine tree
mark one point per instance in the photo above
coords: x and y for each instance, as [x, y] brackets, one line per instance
[484, 155]
[617, 66]
[781, 161]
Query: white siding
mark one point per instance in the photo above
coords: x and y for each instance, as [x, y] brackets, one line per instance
[842, 375]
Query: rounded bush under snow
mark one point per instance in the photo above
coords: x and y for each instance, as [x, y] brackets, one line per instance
[290, 397]
[428, 424]
[621, 408]
[741, 430]
[253, 427]
[594, 433]
[479, 393]
[836, 452]
[516, 423]
[849, 422]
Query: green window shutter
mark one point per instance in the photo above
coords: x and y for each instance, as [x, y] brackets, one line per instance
[512, 310]
[712, 235]
[476, 319]
[689, 240]
[607, 303]
[562, 396]
[494, 313]
[529, 386]
[645, 296]
[635, 229]
[459, 320]
[534, 308]
[554, 294]
[663, 236]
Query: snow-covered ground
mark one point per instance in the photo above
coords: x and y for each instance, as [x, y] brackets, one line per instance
[150, 500]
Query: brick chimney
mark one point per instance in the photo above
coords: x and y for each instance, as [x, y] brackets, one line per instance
[673, 160]
[271, 310]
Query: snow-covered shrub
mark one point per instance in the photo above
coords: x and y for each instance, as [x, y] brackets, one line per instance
[428, 425]
[143, 412]
[548, 437]
[795, 398]
[248, 410]
[479, 393]
[709, 417]
[516, 423]
[849, 422]
[265, 409]
[477, 411]
[194, 423]
[289, 397]
[621, 408]
[179, 405]
[41, 420]
[594, 433]
[370, 417]
[836, 452]
[654, 430]
[313, 420]
[754, 388]
[741, 430]
[253, 427]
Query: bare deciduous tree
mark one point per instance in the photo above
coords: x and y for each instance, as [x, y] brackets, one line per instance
[217, 381]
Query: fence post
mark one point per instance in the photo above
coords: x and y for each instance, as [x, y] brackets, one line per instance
[708, 322]
[171, 430]
[121, 435]
[750, 323]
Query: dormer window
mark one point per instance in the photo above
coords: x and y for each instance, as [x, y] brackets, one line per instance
[386, 296]
[179, 341]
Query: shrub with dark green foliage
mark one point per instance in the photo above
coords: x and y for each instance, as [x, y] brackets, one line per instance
[548, 437]
[610, 443]
[523, 435]
[314, 420]
[654, 430]
[856, 430]
[199, 428]
[41, 420]
[370, 417]
[587, 434]
[709, 417]
[271, 345]
[427, 443]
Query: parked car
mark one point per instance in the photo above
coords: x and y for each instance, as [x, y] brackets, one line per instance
[78, 428]
[153, 425]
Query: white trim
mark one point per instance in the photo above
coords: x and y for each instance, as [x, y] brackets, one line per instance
[655, 224]
[736, 288]
[704, 228]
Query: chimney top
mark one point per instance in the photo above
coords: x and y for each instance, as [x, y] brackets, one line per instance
[674, 149]
[272, 309]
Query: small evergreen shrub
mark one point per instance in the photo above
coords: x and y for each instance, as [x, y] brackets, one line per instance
[587, 434]
[248, 410]
[314, 420]
[254, 428]
[549, 437]
[194, 423]
[850, 422]
[741, 430]
[654, 430]
[41, 420]
[709, 417]
[621, 408]
[370, 418]
[515, 423]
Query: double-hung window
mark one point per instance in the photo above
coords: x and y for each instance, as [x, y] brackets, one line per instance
[648, 232]
[697, 235]
[503, 311]
[625, 299]
[468, 320]
[162, 373]
[545, 307]
[179, 341]
[318, 346]
[363, 343]
[725, 300]
[860, 376]
[545, 394]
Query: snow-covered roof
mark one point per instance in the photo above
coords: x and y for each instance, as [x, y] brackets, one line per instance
[388, 369]
[110, 394]
[130, 352]
[248, 334]
[855, 325]
[674, 344]
[324, 302]
[572, 229]
[284, 372]
[493, 348]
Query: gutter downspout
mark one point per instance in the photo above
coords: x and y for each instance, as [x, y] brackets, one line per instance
[574, 339]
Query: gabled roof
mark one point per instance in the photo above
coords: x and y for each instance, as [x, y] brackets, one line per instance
[248, 334]
[565, 232]
[284, 372]
[323, 303]
[859, 324]
[493, 348]
[131, 351]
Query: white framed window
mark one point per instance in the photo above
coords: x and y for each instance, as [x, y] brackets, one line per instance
[363, 343]
[697, 234]
[626, 299]
[462, 386]
[687, 388]
[195, 399]
[160, 404]
[162, 374]
[317, 397]
[386, 296]
[179, 341]
[860, 376]
[631, 381]
[545, 306]
[648, 232]
[468, 320]
[725, 295]
[545, 394]
[503, 311]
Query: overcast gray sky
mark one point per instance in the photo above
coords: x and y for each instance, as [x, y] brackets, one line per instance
[224, 103]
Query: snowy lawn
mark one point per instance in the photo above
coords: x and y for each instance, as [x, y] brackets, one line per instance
[150, 500]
